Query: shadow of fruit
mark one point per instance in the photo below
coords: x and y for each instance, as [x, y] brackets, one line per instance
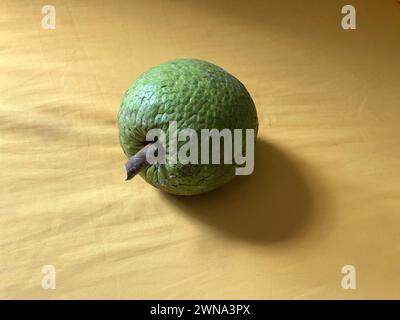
[273, 204]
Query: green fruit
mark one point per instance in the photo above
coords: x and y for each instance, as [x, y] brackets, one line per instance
[197, 95]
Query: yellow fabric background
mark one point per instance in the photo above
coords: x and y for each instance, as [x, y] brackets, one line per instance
[324, 194]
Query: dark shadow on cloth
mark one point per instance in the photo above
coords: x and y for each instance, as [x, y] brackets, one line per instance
[273, 204]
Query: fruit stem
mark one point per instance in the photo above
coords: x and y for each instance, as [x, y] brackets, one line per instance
[137, 162]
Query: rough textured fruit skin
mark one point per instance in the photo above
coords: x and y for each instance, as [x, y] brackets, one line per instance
[198, 95]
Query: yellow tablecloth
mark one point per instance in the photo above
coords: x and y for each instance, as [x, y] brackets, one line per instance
[325, 192]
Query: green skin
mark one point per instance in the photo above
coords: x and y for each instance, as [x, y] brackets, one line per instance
[197, 95]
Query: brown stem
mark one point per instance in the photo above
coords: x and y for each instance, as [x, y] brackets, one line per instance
[137, 163]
